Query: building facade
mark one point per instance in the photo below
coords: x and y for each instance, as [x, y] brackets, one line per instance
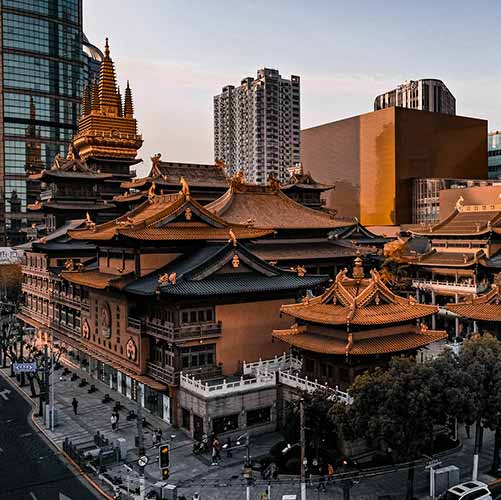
[429, 198]
[426, 95]
[373, 159]
[494, 145]
[257, 126]
[43, 71]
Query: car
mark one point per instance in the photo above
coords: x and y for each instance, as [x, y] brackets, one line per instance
[471, 490]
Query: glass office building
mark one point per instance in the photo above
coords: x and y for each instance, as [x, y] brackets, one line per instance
[43, 70]
[494, 154]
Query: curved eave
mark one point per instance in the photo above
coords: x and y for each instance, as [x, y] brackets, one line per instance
[477, 312]
[368, 316]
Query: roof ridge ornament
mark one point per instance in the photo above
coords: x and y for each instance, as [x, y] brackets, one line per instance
[151, 192]
[460, 204]
[273, 182]
[358, 268]
[185, 188]
[233, 238]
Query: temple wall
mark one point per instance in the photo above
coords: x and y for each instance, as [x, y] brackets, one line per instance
[246, 334]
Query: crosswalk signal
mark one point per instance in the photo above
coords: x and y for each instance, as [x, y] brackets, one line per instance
[163, 457]
[165, 473]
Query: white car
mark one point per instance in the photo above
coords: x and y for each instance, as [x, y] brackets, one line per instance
[471, 490]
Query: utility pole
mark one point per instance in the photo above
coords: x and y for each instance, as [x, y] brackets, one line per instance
[302, 444]
[52, 387]
[45, 380]
[140, 440]
[476, 450]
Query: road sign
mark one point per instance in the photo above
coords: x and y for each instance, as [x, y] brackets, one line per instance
[142, 461]
[25, 367]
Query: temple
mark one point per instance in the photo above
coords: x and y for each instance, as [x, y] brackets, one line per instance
[455, 258]
[171, 288]
[98, 161]
[357, 324]
[207, 182]
[301, 187]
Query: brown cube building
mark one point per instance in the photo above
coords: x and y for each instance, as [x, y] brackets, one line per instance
[372, 159]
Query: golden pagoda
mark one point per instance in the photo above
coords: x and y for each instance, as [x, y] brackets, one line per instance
[105, 129]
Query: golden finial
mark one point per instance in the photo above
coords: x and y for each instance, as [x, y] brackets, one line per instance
[358, 268]
[235, 261]
[233, 238]
[88, 220]
[185, 189]
[155, 160]
[151, 192]
[70, 155]
[106, 48]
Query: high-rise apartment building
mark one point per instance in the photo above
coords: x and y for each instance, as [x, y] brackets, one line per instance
[257, 126]
[43, 70]
[425, 95]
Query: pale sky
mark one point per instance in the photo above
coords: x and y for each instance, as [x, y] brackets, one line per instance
[178, 54]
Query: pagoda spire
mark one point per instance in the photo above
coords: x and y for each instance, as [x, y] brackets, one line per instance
[128, 106]
[95, 105]
[86, 100]
[119, 102]
[107, 84]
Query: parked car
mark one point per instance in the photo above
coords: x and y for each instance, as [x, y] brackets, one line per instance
[471, 490]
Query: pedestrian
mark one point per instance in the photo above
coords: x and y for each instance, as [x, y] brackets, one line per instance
[113, 422]
[321, 480]
[117, 415]
[330, 473]
[216, 455]
[74, 403]
[158, 437]
[229, 454]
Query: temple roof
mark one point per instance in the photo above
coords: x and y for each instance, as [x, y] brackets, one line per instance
[407, 340]
[486, 307]
[168, 173]
[48, 205]
[301, 180]
[221, 269]
[464, 220]
[358, 301]
[439, 258]
[357, 232]
[172, 217]
[268, 206]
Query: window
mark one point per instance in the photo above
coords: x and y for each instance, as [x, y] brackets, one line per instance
[225, 424]
[198, 356]
[259, 416]
[194, 316]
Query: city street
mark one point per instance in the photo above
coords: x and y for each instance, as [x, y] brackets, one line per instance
[29, 468]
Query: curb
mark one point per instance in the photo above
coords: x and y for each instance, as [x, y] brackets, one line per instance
[74, 464]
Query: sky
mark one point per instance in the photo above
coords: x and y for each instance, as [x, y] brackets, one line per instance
[178, 54]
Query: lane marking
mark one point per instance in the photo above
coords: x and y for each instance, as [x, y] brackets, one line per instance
[5, 394]
[33, 495]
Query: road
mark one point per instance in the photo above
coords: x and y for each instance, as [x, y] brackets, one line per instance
[29, 468]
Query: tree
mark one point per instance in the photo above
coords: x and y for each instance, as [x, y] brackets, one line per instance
[396, 410]
[480, 361]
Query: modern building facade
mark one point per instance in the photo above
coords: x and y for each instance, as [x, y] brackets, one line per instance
[433, 197]
[373, 158]
[494, 145]
[44, 60]
[257, 126]
[426, 95]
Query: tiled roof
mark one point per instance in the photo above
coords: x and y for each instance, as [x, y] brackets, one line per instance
[128, 197]
[387, 344]
[464, 220]
[358, 302]
[305, 251]
[305, 181]
[92, 279]
[196, 174]
[485, 307]
[266, 206]
[209, 271]
[166, 216]
[443, 258]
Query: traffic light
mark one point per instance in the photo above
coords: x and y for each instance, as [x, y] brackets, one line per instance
[163, 457]
[165, 473]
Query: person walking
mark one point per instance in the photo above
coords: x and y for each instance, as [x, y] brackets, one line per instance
[321, 479]
[74, 403]
[229, 453]
[330, 473]
[117, 415]
[216, 454]
[158, 437]
[113, 422]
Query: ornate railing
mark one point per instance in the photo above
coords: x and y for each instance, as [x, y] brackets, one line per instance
[284, 362]
[459, 287]
[307, 385]
[161, 373]
[206, 390]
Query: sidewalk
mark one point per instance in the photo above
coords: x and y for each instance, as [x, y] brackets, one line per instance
[194, 473]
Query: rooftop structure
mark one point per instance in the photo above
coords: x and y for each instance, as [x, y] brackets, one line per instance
[427, 94]
[359, 322]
